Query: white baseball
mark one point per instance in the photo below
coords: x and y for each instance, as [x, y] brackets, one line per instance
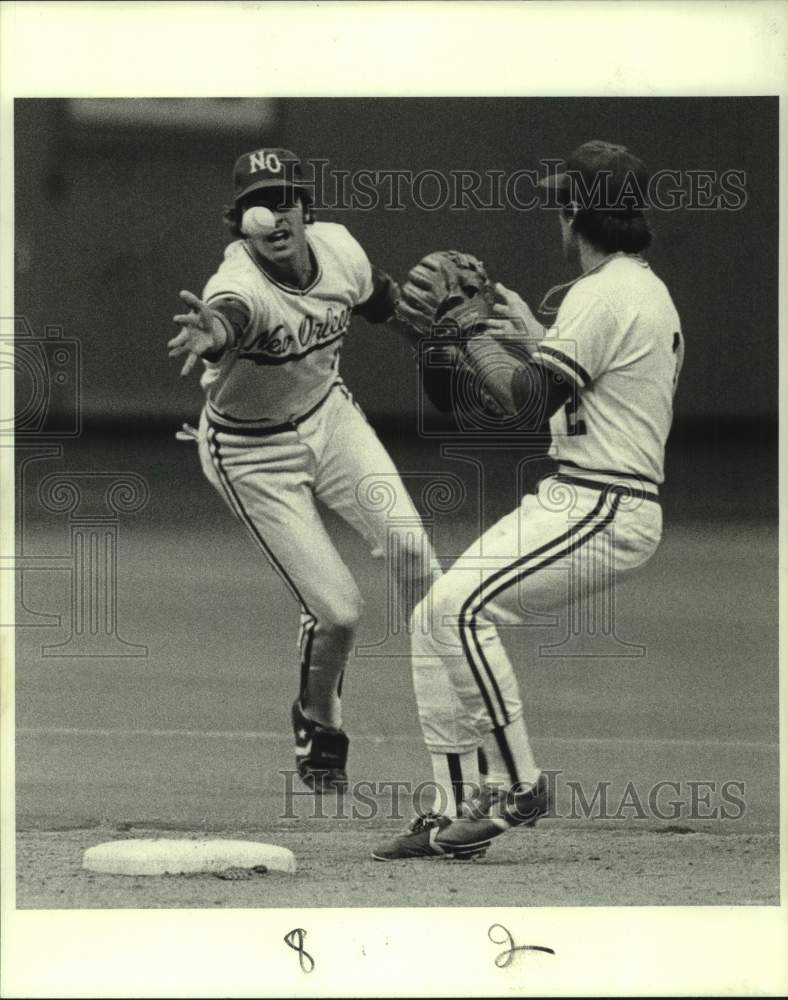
[258, 221]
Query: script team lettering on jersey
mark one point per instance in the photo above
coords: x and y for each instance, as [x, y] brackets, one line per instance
[288, 356]
[279, 343]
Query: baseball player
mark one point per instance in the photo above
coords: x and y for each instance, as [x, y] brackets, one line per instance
[280, 431]
[605, 374]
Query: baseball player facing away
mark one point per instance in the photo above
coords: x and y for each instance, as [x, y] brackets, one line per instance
[280, 431]
[605, 373]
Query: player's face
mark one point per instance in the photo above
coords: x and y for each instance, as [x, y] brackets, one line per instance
[288, 240]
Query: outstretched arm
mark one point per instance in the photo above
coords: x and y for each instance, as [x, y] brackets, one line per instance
[207, 331]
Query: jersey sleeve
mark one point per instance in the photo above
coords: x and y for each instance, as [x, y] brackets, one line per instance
[235, 292]
[375, 293]
[235, 317]
[582, 343]
[360, 269]
[231, 281]
[379, 306]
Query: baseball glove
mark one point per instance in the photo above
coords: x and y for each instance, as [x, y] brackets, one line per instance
[447, 294]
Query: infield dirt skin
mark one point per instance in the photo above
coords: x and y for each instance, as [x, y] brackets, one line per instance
[546, 866]
[192, 738]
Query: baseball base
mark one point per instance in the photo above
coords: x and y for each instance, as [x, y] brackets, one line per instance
[163, 856]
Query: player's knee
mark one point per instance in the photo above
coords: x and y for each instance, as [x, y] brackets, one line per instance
[342, 617]
[440, 606]
[449, 595]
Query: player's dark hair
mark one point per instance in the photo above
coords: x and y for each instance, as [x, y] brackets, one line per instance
[613, 231]
[233, 214]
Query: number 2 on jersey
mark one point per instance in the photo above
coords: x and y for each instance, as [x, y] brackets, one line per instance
[575, 425]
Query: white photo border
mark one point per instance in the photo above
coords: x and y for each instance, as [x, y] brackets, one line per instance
[379, 49]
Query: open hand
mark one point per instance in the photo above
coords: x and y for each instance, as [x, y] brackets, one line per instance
[201, 332]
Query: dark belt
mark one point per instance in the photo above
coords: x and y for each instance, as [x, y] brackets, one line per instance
[289, 425]
[605, 472]
[617, 489]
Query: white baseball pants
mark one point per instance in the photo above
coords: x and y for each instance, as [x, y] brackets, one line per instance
[560, 547]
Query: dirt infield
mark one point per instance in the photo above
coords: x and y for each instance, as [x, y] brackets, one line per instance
[548, 866]
[191, 738]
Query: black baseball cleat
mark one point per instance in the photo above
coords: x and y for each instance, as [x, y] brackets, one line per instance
[320, 752]
[480, 824]
[422, 839]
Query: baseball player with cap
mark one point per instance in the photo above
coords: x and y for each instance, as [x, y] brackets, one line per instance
[280, 431]
[604, 373]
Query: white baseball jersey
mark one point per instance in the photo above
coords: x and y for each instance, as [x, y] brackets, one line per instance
[288, 357]
[617, 338]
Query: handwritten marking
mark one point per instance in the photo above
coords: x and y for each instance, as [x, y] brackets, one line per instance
[305, 960]
[507, 955]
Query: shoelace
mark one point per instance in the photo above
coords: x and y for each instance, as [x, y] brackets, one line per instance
[424, 822]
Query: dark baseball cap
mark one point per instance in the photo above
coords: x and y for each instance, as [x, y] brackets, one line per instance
[601, 176]
[268, 168]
